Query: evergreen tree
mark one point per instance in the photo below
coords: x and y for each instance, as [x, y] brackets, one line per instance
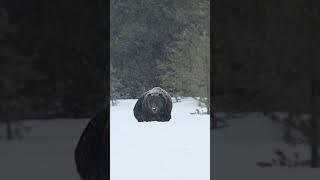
[115, 85]
[188, 68]
[15, 72]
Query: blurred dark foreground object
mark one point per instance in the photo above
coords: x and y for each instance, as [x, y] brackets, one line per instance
[153, 105]
[92, 150]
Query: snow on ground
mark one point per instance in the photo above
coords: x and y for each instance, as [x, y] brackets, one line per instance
[177, 150]
[237, 149]
[44, 154]
[174, 150]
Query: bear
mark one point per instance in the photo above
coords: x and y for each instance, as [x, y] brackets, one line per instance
[153, 105]
[92, 150]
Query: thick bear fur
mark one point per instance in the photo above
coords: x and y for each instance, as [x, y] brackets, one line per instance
[92, 151]
[153, 105]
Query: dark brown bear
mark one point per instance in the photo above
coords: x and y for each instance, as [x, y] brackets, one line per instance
[92, 150]
[153, 105]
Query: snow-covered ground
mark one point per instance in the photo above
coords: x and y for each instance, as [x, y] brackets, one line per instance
[237, 149]
[174, 150]
[44, 154]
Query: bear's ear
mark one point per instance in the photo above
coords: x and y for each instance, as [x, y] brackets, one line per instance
[137, 110]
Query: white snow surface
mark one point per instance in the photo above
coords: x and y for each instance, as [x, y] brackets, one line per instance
[174, 150]
[177, 150]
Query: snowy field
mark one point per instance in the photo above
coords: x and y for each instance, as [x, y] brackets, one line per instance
[238, 148]
[174, 150]
[44, 154]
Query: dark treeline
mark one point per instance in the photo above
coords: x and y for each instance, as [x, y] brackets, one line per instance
[160, 43]
[263, 52]
[266, 58]
[53, 58]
